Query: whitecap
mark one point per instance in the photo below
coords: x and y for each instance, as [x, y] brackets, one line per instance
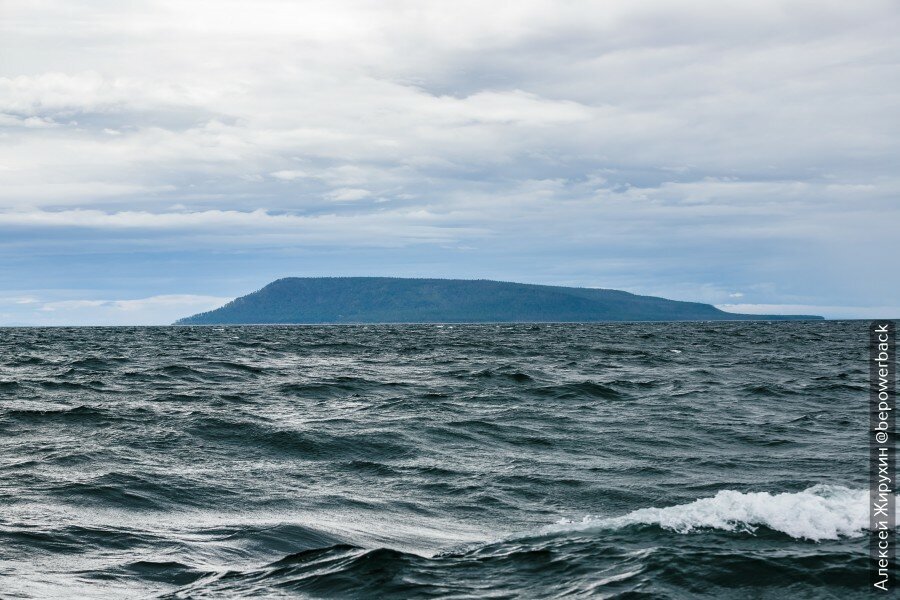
[822, 512]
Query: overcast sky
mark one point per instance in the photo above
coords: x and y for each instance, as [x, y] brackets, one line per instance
[160, 157]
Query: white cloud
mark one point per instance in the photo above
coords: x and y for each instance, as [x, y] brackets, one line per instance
[829, 312]
[25, 299]
[67, 94]
[642, 86]
[349, 194]
[288, 175]
[154, 310]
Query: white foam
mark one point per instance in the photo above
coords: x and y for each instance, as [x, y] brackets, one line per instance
[822, 512]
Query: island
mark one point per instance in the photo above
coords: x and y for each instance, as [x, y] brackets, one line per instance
[322, 300]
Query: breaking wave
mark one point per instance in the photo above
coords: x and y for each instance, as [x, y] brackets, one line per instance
[822, 512]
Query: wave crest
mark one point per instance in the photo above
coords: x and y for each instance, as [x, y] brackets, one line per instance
[822, 512]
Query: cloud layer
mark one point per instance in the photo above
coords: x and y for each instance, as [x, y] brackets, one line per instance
[696, 150]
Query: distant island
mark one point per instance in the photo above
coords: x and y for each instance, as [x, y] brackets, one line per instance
[310, 300]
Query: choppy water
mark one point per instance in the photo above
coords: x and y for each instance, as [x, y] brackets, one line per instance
[625, 460]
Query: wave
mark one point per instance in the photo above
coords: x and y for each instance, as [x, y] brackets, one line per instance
[822, 512]
[397, 462]
[580, 390]
[64, 414]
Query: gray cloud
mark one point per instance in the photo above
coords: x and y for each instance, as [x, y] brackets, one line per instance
[672, 147]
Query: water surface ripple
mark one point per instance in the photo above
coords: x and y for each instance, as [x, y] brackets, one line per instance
[415, 461]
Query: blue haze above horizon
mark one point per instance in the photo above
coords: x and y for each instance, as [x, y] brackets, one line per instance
[158, 159]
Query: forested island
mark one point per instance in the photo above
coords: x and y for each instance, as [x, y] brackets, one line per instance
[400, 300]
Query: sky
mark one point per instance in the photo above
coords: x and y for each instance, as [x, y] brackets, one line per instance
[158, 158]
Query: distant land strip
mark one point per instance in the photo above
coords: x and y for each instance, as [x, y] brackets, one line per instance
[324, 300]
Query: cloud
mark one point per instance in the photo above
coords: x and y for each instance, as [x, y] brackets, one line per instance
[689, 148]
[829, 312]
[154, 310]
[402, 226]
[179, 300]
[67, 95]
[288, 175]
[18, 300]
[349, 194]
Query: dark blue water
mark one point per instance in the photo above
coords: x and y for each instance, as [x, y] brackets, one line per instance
[605, 460]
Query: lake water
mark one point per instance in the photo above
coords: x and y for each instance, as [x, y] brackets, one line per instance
[647, 460]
